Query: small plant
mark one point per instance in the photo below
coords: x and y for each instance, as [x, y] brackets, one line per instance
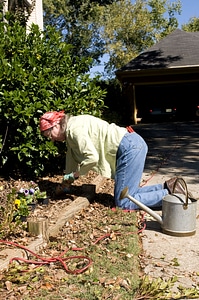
[32, 193]
[26, 197]
[40, 195]
[21, 206]
[8, 213]
[160, 289]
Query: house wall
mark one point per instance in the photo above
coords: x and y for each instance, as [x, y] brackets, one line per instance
[36, 16]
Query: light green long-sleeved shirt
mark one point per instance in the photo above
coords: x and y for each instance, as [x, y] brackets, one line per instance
[92, 143]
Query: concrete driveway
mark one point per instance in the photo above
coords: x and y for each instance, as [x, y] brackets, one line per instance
[173, 151]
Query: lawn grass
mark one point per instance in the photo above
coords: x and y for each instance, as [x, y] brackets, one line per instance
[110, 240]
[114, 273]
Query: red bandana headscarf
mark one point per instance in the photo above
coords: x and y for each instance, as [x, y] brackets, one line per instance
[50, 118]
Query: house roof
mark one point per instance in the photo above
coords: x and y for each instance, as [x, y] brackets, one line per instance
[180, 49]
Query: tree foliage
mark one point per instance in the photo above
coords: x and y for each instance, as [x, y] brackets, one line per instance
[130, 28]
[121, 29]
[192, 25]
[39, 73]
[77, 22]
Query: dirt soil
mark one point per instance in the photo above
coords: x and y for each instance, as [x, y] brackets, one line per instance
[173, 151]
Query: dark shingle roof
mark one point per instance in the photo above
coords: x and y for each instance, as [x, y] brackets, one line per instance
[178, 49]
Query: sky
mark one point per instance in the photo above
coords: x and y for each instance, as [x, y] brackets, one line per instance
[190, 8]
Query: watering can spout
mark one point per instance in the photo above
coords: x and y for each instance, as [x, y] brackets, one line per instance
[125, 194]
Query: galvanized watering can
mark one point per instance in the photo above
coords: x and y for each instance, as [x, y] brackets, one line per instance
[178, 212]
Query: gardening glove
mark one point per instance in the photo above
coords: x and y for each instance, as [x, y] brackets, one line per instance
[65, 186]
[68, 178]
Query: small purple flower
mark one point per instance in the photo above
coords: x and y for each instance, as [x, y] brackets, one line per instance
[26, 192]
[31, 191]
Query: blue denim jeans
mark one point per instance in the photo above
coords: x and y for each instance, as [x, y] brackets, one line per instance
[130, 161]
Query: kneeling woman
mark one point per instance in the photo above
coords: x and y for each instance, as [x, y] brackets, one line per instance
[110, 150]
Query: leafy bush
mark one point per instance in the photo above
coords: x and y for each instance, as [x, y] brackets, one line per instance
[38, 73]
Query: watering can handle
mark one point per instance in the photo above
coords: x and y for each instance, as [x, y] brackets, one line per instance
[183, 183]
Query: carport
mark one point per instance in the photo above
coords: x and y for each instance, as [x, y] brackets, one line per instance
[167, 72]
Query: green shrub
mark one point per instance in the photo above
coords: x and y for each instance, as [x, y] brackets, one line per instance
[38, 73]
